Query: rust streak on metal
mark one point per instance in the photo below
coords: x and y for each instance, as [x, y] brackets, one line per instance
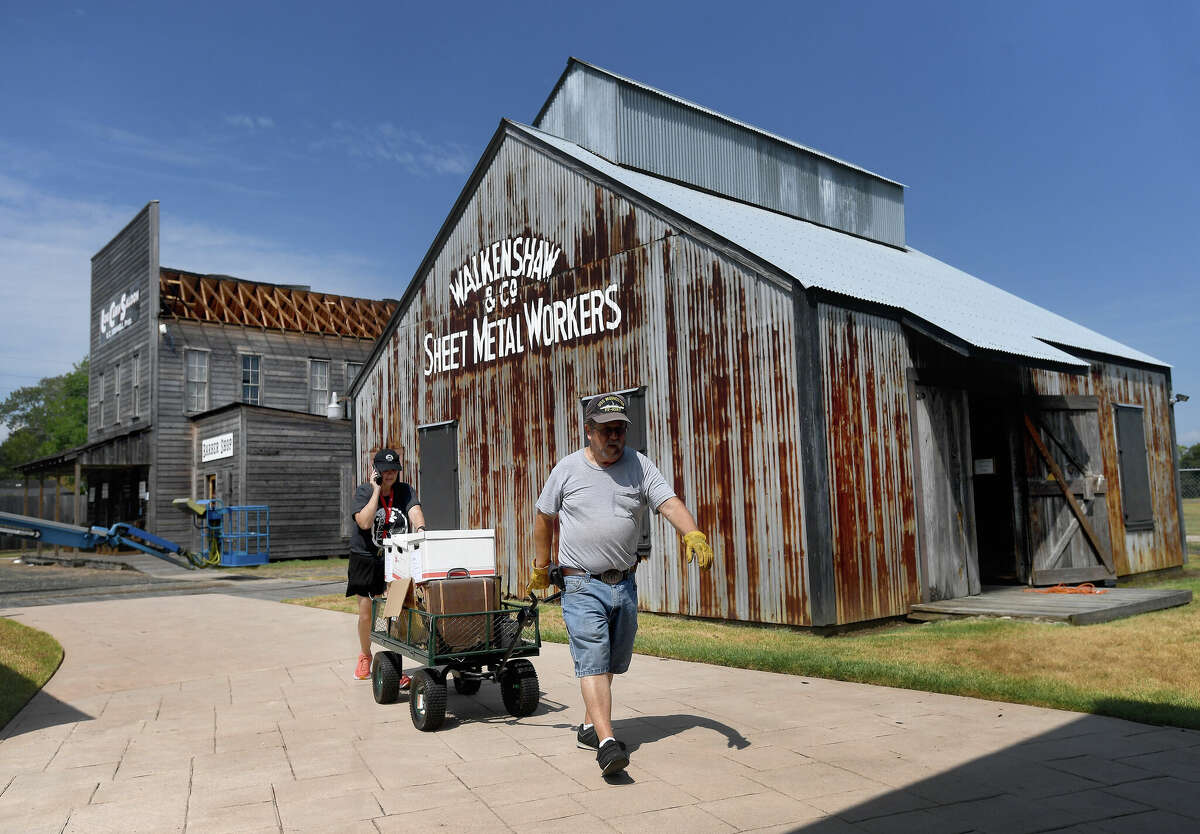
[729, 446]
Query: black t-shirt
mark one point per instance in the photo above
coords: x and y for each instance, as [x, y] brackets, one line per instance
[370, 542]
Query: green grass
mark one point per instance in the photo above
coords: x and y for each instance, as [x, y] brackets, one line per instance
[28, 658]
[1144, 668]
[1191, 516]
[330, 602]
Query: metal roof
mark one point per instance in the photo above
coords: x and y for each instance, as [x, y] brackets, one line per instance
[702, 109]
[974, 311]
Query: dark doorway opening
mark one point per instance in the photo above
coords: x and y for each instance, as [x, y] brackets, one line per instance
[438, 485]
[996, 498]
[115, 494]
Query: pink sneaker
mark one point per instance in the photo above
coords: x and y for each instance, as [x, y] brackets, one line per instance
[363, 670]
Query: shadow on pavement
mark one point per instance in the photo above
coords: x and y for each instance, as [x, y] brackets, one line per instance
[647, 729]
[40, 712]
[1095, 774]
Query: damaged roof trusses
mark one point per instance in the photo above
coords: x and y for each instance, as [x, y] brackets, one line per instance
[224, 300]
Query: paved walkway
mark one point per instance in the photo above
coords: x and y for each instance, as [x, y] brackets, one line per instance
[213, 713]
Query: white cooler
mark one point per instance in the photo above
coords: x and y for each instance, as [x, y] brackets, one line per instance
[432, 553]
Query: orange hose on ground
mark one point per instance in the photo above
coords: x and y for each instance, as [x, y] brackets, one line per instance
[1085, 588]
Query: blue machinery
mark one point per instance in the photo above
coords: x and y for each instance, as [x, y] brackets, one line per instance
[41, 531]
[233, 536]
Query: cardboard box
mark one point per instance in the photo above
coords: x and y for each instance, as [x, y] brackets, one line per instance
[431, 554]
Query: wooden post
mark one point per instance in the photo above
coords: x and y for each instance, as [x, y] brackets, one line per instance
[25, 505]
[41, 513]
[75, 511]
[57, 503]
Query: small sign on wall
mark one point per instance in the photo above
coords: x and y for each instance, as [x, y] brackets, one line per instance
[985, 466]
[215, 448]
[121, 312]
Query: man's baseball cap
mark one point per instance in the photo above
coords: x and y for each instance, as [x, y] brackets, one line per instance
[606, 408]
[386, 460]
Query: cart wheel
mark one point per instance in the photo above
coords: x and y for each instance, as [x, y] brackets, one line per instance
[427, 701]
[465, 686]
[386, 669]
[519, 687]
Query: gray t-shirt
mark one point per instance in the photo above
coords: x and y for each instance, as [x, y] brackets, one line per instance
[600, 508]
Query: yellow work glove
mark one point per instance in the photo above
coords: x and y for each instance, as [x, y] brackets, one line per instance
[538, 580]
[697, 544]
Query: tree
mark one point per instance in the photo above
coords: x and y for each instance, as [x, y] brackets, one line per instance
[1189, 456]
[45, 418]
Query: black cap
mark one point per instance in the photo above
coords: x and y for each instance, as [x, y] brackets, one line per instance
[387, 460]
[605, 408]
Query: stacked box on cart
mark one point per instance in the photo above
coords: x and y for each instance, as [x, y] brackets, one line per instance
[462, 595]
[432, 554]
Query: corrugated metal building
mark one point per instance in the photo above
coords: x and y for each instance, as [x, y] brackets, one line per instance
[208, 386]
[857, 426]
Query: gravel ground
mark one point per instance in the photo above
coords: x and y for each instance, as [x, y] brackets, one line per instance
[23, 578]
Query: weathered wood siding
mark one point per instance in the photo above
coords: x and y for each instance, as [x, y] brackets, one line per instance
[712, 342]
[127, 264]
[230, 478]
[1114, 384]
[296, 464]
[949, 561]
[865, 360]
[285, 385]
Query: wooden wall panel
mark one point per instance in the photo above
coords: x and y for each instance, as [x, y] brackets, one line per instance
[1115, 384]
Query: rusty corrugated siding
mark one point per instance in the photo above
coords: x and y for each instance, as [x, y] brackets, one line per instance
[870, 464]
[1113, 384]
[712, 343]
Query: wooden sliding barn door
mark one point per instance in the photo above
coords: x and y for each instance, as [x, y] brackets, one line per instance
[942, 449]
[1067, 494]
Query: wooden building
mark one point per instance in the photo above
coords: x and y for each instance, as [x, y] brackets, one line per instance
[210, 386]
[858, 426]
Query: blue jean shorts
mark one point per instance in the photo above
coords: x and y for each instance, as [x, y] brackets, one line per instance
[601, 621]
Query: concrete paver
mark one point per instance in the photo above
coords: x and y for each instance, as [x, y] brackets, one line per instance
[213, 712]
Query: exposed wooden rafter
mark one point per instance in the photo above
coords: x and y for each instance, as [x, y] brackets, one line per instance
[218, 299]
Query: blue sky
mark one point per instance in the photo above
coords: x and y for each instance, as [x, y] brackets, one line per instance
[1049, 148]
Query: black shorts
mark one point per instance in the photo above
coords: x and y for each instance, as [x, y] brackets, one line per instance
[364, 576]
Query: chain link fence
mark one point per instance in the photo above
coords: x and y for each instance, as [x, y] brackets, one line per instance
[1189, 483]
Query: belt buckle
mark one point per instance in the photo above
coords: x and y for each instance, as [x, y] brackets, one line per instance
[612, 576]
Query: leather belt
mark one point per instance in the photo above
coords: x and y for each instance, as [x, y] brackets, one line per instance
[612, 576]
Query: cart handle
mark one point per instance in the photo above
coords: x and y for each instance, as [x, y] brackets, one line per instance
[523, 616]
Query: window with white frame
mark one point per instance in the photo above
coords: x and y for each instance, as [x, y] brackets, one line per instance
[196, 364]
[100, 403]
[137, 385]
[252, 378]
[117, 395]
[318, 385]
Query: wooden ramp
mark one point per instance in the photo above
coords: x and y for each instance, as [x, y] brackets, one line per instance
[1076, 609]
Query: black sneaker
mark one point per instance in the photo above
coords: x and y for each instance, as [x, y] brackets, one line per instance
[612, 757]
[587, 739]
